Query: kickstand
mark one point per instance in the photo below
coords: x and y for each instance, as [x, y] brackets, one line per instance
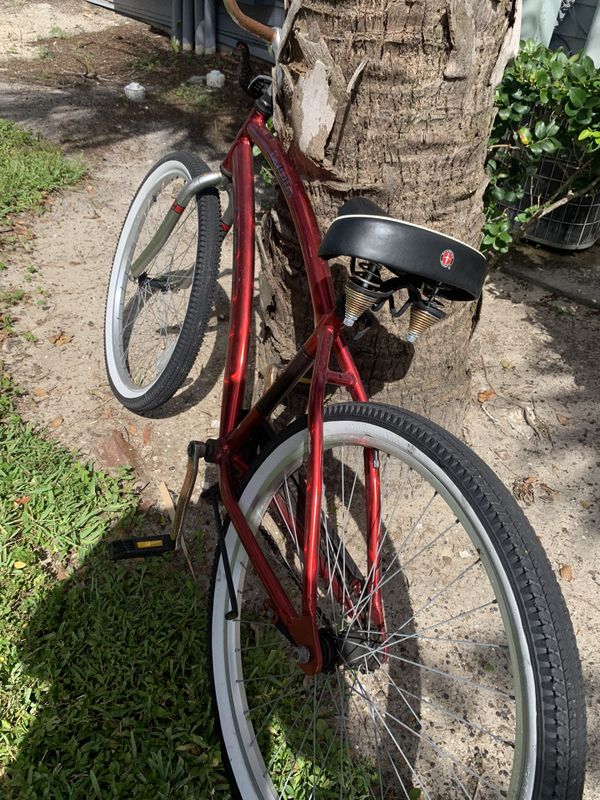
[195, 452]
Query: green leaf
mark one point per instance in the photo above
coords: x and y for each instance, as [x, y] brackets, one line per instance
[584, 117]
[540, 129]
[570, 111]
[588, 64]
[557, 69]
[549, 146]
[552, 128]
[521, 108]
[577, 96]
[504, 113]
[579, 72]
[536, 148]
[542, 78]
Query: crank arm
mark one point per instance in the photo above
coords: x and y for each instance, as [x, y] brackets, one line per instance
[195, 451]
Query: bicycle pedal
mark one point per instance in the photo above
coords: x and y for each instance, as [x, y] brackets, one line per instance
[141, 547]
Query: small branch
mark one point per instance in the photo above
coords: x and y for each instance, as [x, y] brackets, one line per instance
[566, 199]
[556, 202]
[504, 147]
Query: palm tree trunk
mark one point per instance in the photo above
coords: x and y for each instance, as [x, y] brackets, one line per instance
[392, 101]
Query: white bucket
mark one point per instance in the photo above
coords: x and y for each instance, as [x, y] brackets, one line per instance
[135, 92]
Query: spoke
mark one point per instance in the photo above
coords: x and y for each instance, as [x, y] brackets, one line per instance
[347, 509]
[279, 555]
[360, 606]
[337, 709]
[331, 571]
[250, 709]
[458, 678]
[367, 699]
[297, 721]
[411, 533]
[299, 750]
[473, 642]
[438, 749]
[457, 718]
[363, 601]
[419, 722]
[343, 483]
[429, 544]
[377, 749]
[293, 514]
[249, 621]
[392, 514]
[393, 640]
[431, 601]
[342, 729]
[264, 723]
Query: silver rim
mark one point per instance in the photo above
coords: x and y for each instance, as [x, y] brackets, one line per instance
[144, 317]
[451, 713]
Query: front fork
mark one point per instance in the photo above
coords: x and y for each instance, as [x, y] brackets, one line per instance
[305, 630]
[211, 180]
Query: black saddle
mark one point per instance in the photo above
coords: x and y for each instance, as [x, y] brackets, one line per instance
[365, 231]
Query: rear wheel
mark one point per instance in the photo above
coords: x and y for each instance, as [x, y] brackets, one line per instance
[155, 323]
[473, 690]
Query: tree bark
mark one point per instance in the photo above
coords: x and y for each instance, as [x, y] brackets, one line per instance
[390, 100]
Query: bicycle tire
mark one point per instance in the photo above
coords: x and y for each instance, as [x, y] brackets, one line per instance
[547, 761]
[173, 298]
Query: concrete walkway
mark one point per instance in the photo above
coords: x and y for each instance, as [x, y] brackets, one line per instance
[574, 275]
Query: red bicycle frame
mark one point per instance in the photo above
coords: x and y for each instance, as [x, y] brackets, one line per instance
[316, 353]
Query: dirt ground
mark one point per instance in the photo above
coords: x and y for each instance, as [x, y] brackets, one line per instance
[536, 374]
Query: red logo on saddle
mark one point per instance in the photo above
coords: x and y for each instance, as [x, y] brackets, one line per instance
[447, 259]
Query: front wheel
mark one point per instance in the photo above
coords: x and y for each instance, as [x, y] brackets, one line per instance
[471, 689]
[155, 322]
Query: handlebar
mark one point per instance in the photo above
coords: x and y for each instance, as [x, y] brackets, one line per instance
[249, 24]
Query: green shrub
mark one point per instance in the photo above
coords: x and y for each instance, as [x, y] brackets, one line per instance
[548, 105]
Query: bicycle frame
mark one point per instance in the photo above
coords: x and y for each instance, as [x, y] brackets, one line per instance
[316, 353]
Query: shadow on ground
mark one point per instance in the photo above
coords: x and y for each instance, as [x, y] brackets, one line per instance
[570, 348]
[72, 91]
[117, 660]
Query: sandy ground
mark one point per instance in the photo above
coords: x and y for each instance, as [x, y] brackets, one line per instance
[534, 354]
[24, 24]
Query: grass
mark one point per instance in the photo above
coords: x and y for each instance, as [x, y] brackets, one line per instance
[30, 168]
[11, 297]
[56, 32]
[194, 95]
[104, 691]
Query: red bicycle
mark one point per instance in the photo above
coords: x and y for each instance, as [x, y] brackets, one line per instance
[383, 620]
